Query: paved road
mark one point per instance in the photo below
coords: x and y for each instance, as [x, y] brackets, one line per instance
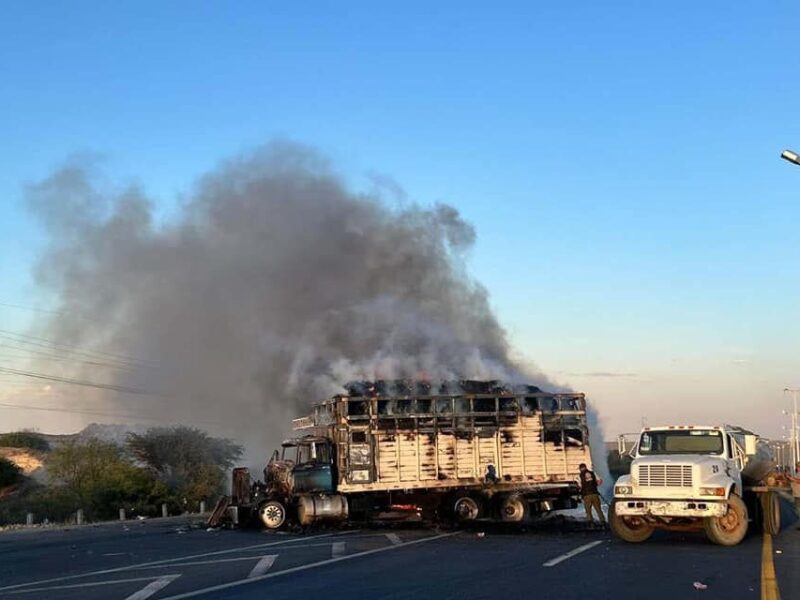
[169, 560]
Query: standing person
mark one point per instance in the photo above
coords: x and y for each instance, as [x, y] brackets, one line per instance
[590, 494]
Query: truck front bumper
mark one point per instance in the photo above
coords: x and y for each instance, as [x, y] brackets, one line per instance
[633, 507]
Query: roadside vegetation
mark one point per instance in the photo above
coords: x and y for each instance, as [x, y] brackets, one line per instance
[24, 439]
[179, 466]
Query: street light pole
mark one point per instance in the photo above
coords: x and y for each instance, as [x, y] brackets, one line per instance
[793, 434]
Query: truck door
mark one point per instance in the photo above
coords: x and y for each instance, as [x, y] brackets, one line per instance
[313, 471]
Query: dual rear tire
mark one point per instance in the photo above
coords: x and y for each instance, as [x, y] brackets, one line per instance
[512, 508]
[771, 513]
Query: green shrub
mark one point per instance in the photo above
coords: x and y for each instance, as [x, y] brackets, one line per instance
[95, 476]
[24, 439]
[189, 462]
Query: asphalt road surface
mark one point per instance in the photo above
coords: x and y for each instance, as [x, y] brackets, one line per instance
[169, 559]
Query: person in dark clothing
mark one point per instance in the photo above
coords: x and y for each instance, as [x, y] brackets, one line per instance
[590, 494]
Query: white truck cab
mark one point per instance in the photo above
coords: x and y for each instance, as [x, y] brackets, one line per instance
[685, 477]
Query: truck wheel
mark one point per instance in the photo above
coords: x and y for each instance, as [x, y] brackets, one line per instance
[272, 514]
[629, 529]
[513, 509]
[729, 529]
[466, 508]
[772, 513]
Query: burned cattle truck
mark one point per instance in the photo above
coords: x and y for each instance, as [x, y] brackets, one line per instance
[463, 451]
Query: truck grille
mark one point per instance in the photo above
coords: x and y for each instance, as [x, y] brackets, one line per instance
[665, 475]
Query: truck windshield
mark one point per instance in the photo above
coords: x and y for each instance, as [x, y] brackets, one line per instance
[681, 441]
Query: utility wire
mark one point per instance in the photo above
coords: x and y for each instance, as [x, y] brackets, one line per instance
[55, 357]
[22, 338]
[81, 382]
[22, 344]
[31, 308]
[92, 413]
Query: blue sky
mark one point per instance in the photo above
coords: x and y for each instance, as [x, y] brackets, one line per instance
[636, 228]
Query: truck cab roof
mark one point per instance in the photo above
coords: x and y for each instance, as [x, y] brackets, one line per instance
[726, 428]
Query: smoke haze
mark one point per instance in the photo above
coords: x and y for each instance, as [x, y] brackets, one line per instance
[274, 286]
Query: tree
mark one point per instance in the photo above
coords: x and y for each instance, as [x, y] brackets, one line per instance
[96, 476]
[10, 473]
[189, 461]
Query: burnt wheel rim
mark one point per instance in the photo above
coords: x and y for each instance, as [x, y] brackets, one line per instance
[513, 509]
[272, 515]
[466, 509]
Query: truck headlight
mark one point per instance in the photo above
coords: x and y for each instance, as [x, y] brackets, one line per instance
[712, 491]
[623, 490]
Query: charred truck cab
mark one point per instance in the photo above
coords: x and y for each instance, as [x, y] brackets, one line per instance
[464, 451]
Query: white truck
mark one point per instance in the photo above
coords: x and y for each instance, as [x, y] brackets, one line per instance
[693, 477]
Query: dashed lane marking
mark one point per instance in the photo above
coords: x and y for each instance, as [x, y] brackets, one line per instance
[559, 559]
[153, 587]
[337, 549]
[262, 566]
[170, 560]
[394, 538]
[321, 563]
[73, 586]
[194, 563]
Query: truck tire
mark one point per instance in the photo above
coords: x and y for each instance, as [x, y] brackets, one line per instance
[466, 508]
[272, 514]
[771, 509]
[513, 508]
[729, 529]
[629, 529]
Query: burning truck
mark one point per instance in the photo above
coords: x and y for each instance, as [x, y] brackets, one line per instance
[457, 451]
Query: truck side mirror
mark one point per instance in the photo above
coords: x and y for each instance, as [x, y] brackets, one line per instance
[750, 444]
[621, 449]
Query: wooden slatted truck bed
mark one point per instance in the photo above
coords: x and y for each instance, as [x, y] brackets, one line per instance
[465, 451]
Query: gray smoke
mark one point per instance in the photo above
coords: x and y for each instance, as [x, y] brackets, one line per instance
[274, 286]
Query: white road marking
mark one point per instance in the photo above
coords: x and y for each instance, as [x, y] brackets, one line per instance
[559, 559]
[337, 549]
[263, 565]
[394, 538]
[72, 586]
[321, 563]
[152, 588]
[195, 563]
[171, 560]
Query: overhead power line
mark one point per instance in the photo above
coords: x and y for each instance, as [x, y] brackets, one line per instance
[39, 355]
[94, 413]
[40, 342]
[31, 308]
[81, 382]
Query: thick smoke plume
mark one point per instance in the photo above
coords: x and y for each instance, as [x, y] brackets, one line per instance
[274, 286]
